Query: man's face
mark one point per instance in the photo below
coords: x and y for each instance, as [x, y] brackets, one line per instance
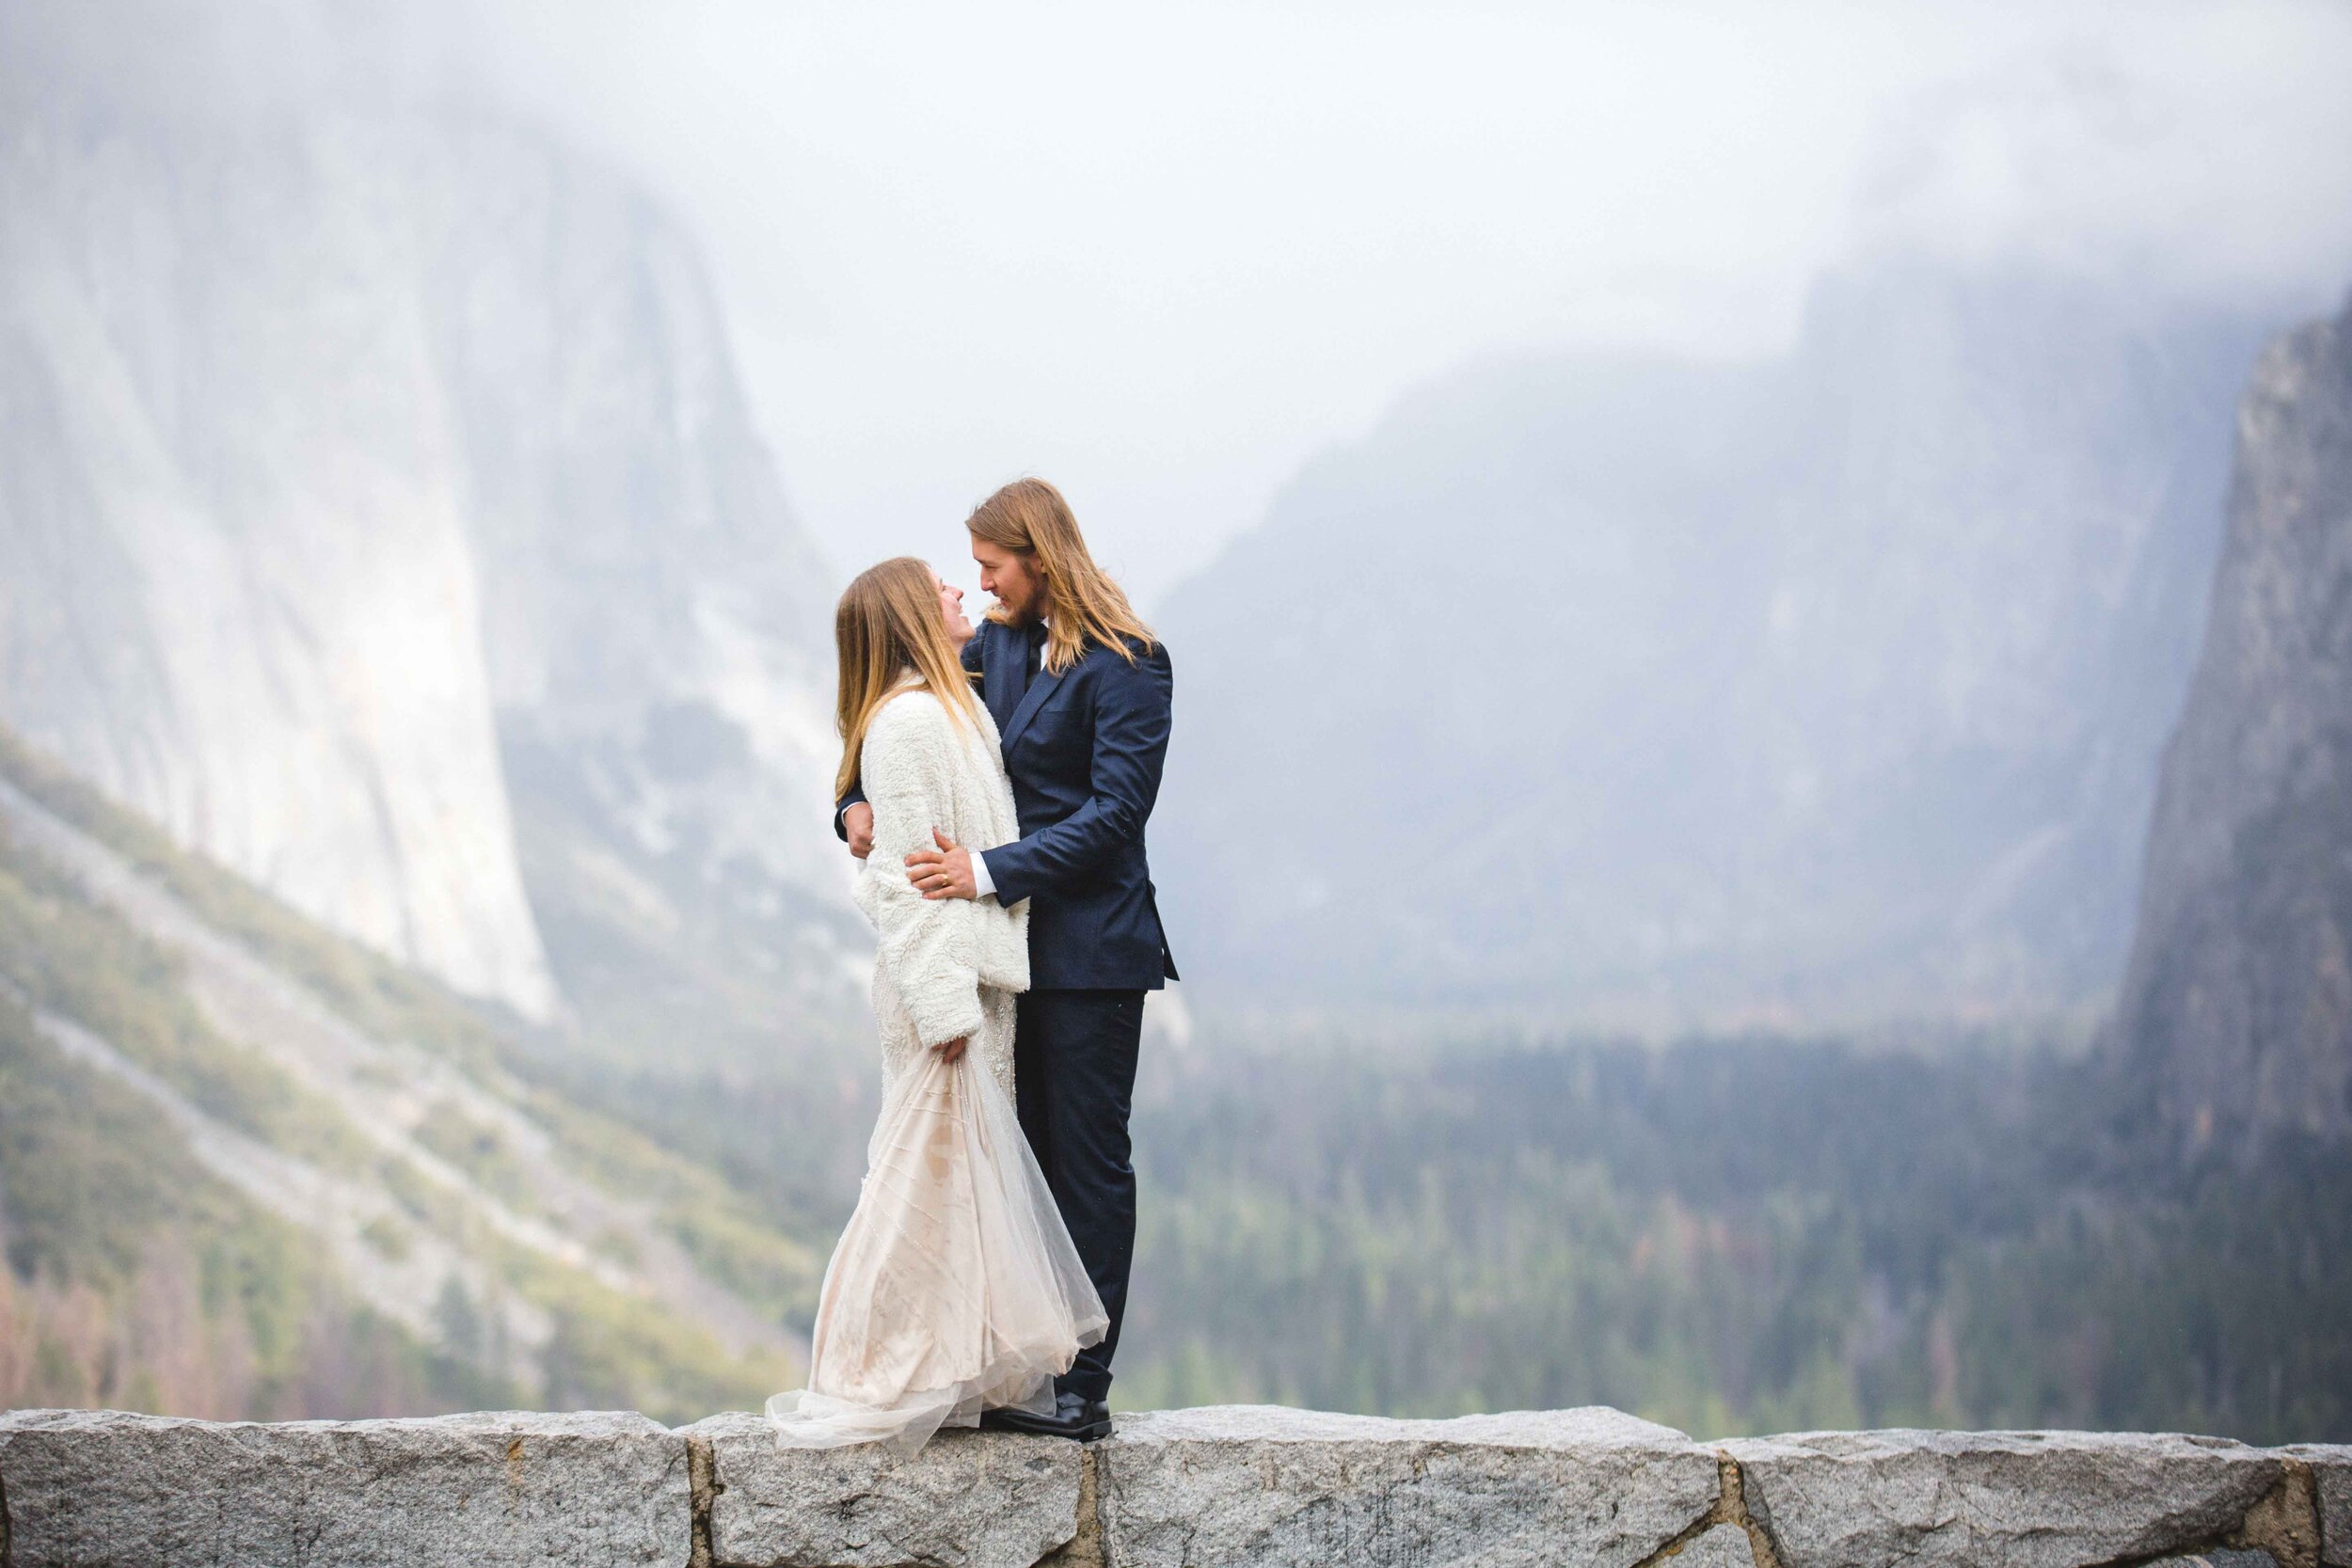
[1011, 578]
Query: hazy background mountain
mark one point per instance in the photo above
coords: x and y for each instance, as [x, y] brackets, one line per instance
[1626, 689]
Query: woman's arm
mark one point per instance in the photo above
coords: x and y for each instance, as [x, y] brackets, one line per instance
[928, 948]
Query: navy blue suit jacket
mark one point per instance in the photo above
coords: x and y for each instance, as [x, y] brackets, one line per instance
[1084, 749]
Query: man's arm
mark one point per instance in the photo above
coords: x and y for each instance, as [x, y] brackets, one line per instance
[853, 821]
[1131, 725]
[841, 810]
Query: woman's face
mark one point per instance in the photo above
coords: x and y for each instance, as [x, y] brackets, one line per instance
[951, 609]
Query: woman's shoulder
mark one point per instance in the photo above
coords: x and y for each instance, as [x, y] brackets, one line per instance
[908, 713]
[908, 706]
[917, 716]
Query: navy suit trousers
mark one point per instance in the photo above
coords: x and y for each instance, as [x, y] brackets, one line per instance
[1073, 1055]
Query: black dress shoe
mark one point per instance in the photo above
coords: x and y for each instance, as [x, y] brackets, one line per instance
[1083, 1420]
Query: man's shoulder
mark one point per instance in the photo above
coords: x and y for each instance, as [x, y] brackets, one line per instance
[1129, 685]
[985, 635]
[1148, 653]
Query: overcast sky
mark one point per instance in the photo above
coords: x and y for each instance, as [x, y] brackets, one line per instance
[1163, 254]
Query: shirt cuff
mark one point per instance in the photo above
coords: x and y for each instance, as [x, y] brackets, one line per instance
[983, 883]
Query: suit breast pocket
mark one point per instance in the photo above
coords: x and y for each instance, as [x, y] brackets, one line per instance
[1053, 732]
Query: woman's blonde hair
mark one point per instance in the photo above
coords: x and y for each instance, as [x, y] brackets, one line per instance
[887, 628]
[1030, 516]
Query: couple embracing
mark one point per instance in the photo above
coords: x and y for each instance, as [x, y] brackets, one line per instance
[994, 784]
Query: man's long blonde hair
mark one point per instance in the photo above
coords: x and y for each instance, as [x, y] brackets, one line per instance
[1030, 516]
[889, 627]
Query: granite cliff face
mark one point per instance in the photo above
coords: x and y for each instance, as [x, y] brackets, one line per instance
[236, 588]
[1821, 687]
[2238, 1005]
[345, 444]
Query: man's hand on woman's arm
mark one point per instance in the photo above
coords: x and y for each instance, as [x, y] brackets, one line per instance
[853, 821]
[950, 871]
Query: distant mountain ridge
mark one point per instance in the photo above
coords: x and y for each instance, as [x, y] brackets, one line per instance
[1619, 690]
[2237, 1008]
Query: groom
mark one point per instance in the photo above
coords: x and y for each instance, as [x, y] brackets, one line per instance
[1079, 689]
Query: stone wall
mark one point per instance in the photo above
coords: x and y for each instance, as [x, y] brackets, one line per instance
[1234, 1484]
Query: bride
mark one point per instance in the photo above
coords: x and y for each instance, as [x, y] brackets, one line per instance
[955, 1287]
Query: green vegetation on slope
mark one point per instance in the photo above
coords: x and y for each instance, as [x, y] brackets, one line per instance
[135, 1279]
[757, 1258]
[62, 952]
[68, 956]
[372, 993]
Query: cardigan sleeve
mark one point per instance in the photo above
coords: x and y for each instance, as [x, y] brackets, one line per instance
[928, 946]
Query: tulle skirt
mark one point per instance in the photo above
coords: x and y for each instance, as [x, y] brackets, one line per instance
[955, 1287]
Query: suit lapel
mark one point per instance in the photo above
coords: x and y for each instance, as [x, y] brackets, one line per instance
[1000, 673]
[1040, 690]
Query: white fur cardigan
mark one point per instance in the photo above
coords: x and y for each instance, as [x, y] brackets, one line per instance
[922, 769]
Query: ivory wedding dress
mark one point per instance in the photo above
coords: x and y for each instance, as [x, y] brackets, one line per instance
[955, 1287]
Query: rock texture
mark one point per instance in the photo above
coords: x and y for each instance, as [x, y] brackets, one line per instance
[1238, 1485]
[2238, 1001]
[970, 1499]
[2031, 1500]
[1261, 1485]
[1827, 687]
[2331, 1475]
[101, 1489]
[1719, 1547]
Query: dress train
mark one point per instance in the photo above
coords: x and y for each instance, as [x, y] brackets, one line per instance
[955, 1287]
